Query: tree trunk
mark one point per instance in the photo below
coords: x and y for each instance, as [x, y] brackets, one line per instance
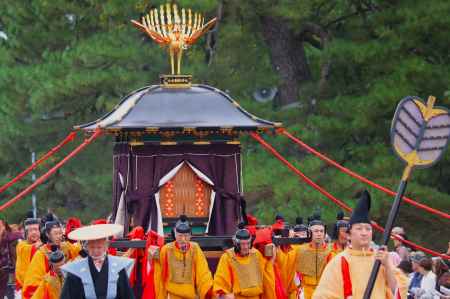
[288, 58]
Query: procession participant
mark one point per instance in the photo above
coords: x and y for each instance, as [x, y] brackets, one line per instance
[184, 269]
[306, 262]
[111, 250]
[346, 276]
[39, 265]
[275, 283]
[150, 267]
[51, 284]
[340, 234]
[241, 269]
[25, 251]
[137, 254]
[99, 275]
[278, 226]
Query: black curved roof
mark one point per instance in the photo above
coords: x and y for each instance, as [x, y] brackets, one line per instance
[200, 106]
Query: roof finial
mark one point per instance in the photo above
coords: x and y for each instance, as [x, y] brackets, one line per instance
[167, 28]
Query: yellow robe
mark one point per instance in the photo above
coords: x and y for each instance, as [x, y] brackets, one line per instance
[49, 288]
[39, 266]
[282, 261]
[182, 275]
[24, 252]
[360, 265]
[308, 257]
[250, 277]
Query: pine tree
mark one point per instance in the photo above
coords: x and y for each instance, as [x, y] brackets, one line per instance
[347, 63]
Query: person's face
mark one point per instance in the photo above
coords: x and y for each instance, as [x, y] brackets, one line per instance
[55, 235]
[318, 234]
[97, 248]
[183, 239]
[361, 235]
[33, 233]
[343, 235]
[245, 247]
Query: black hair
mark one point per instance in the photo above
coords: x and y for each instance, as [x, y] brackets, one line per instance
[406, 267]
[426, 263]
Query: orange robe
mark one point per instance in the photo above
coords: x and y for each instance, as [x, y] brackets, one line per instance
[305, 266]
[24, 253]
[50, 287]
[182, 275]
[39, 266]
[249, 277]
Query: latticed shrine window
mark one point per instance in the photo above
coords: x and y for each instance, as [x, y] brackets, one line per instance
[185, 194]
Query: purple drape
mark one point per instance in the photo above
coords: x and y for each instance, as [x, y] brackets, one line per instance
[149, 163]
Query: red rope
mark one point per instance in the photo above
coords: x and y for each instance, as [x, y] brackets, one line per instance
[45, 176]
[50, 153]
[361, 178]
[338, 202]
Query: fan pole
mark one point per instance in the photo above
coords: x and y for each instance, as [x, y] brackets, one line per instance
[388, 228]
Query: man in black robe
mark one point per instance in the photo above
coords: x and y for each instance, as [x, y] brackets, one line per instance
[99, 275]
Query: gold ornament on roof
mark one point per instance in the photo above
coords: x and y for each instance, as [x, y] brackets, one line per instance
[168, 27]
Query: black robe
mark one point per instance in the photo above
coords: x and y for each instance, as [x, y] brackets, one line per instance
[73, 287]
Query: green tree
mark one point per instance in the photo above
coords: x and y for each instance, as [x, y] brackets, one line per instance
[345, 63]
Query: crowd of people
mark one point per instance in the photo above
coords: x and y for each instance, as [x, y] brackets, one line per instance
[48, 260]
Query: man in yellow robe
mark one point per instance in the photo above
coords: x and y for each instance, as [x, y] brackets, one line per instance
[25, 251]
[39, 265]
[243, 272]
[346, 276]
[182, 270]
[306, 262]
[51, 284]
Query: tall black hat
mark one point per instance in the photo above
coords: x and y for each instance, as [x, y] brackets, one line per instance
[361, 212]
[242, 233]
[316, 219]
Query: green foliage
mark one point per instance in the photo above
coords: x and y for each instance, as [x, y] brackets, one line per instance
[69, 62]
